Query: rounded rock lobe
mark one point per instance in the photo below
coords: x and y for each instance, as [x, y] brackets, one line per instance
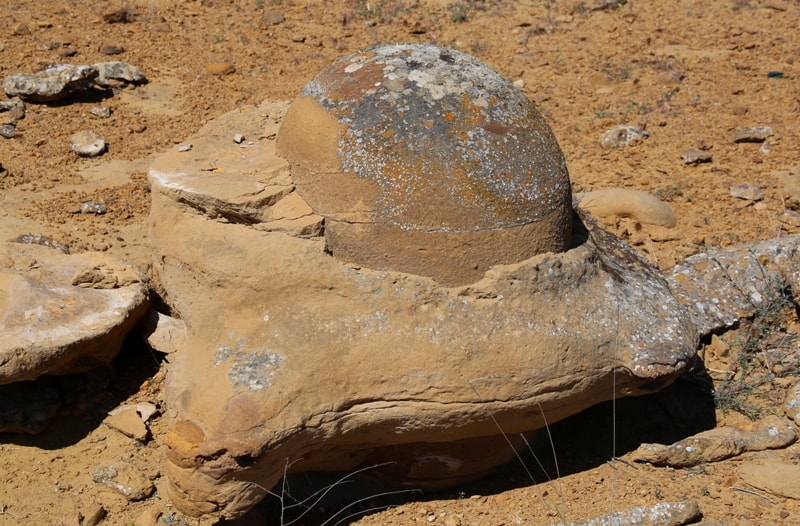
[424, 160]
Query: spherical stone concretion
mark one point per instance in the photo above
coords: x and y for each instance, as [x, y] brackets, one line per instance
[424, 160]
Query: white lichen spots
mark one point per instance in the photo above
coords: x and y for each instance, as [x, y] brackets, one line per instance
[773, 431]
[352, 68]
[248, 369]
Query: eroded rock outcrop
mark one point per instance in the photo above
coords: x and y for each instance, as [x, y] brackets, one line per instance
[62, 313]
[301, 356]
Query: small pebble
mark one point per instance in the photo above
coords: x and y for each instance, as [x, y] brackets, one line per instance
[756, 134]
[8, 131]
[272, 18]
[15, 108]
[749, 192]
[624, 135]
[110, 49]
[184, 147]
[103, 112]
[119, 16]
[87, 144]
[93, 207]
[694, 156]
[220, 68]
[238, 138]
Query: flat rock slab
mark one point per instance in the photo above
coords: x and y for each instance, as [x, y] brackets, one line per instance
[774, 477]
[295, 358]
[62, 314]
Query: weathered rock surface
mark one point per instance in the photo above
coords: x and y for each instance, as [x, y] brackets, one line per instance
[320, 364]
[717, 444]
[60, 313]
[721, 287]
[126, 479]
[661, 514]
[424, 160]
[50, 84]
[107, 72]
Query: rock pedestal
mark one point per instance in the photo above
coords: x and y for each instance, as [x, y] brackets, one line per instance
[299, 361]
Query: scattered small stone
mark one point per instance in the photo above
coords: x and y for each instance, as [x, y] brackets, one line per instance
[126, 479]
[45, 241]
[87, 144]
[789, 218]
[519, 83]
[51, 84]
[8, 131]
[163, 333]
[184, 147]
[110, 49]
[766, 147]
[220, 69]
[624, 135]
[102, 112]
[775, 75]
[749, 192]
[127, 421]
[662, 514]
[21, 30]
[93, 207]
[756, 134]
[119, 16]
[67, 52]
[695, 156]
[272, 18]
[95, 517]
[790, 183]
[118, 71]
[238, 138]
[15, 108]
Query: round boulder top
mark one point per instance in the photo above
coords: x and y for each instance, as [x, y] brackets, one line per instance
[424, 160]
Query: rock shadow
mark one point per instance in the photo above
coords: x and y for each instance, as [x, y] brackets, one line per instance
[581, 442]
[59, 411]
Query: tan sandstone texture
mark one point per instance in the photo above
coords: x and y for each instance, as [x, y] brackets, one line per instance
[298, 359]
[63, 313]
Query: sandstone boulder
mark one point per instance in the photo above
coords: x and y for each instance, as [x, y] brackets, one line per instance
[61, 313]
[301, 359]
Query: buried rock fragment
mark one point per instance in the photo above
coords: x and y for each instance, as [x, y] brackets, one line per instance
[351, 328]
[718, 444]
